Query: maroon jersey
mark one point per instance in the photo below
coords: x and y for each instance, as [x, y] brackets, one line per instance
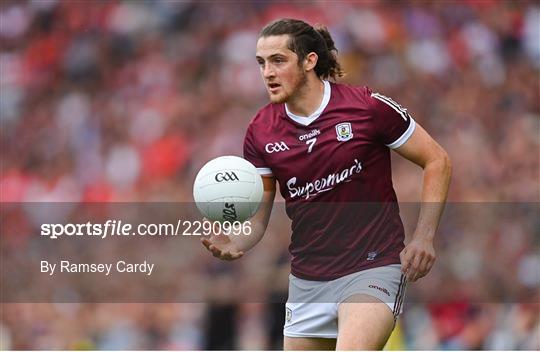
[334, 173]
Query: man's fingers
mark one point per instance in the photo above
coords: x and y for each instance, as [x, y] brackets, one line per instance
[417, 263]
[416, 260]
[422, 268]
[231, 256]
[237, 255]
[211, 247]
[414, 266]
[219, 253]
[405, 261]
[411, 275]
[206, 243]
[408, 265]
[215, 251]
[426, 265]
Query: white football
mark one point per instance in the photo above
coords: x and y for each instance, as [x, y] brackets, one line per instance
[228, 188]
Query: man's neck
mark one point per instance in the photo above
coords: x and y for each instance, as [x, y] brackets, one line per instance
[308, 99]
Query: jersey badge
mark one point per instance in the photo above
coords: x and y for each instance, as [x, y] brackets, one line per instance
[344, 131]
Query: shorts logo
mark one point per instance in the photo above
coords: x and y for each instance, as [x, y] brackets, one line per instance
[382, 289]
[344, 131]
[288, 315]
[276, 147]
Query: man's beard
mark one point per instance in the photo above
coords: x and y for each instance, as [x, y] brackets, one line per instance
[297, 90]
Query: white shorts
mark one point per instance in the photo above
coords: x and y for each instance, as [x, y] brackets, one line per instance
[312, 307]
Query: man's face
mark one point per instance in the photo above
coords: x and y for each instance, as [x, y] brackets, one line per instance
[282, 75]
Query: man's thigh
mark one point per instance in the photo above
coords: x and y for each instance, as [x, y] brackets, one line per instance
[364, 323]
[308, 343]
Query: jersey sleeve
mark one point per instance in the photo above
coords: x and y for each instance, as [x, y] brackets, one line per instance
[393, 123]
[252, 154]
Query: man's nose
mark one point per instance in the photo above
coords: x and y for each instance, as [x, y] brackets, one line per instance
[268, 71]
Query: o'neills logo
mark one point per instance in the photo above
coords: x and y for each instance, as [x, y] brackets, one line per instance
[380, 289]
[309, 135]
[323, 184]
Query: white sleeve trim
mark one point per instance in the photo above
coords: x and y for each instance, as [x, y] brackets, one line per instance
[264, 171]
[404, 137]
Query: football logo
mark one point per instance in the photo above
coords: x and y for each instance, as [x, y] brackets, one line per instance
[229, 212]
[344, 131]
[226, 176]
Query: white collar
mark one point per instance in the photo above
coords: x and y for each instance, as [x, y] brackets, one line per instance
[303, 120]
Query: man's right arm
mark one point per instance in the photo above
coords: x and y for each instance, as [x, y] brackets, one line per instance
[233, 247]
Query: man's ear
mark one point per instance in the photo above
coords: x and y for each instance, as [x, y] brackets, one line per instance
[310, 61]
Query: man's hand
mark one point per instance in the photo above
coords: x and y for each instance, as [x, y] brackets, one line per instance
[233, 247]
[417, 258]
[222, 247]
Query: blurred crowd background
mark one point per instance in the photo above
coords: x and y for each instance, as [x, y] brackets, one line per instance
[123, 101]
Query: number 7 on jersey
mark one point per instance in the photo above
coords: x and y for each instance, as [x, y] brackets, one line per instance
[311, 143]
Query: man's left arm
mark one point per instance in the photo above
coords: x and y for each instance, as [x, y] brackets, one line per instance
[418, 256]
